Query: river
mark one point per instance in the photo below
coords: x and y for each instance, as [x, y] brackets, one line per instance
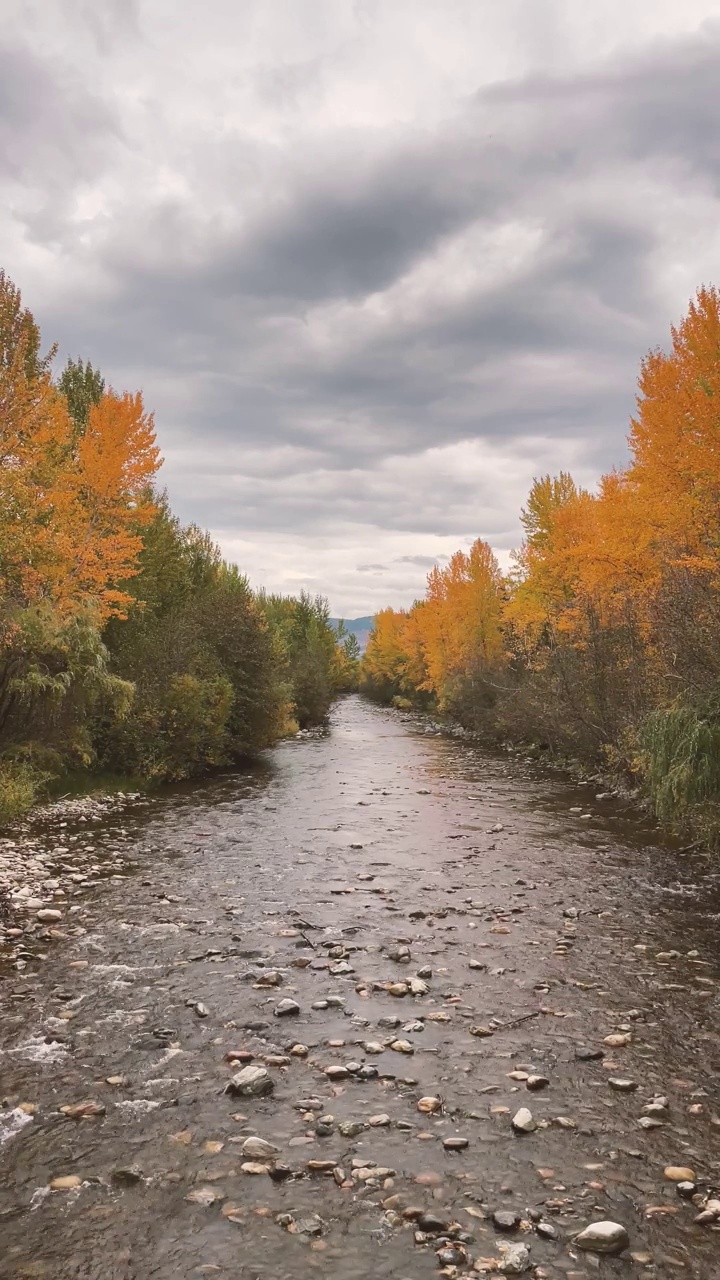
[548, 928]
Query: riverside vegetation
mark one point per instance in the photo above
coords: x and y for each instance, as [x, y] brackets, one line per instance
[602, 644]
[127, 644]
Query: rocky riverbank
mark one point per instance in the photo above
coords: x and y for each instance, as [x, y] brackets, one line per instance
[50, 861]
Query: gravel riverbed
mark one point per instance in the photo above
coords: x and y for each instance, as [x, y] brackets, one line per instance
[385, 1006]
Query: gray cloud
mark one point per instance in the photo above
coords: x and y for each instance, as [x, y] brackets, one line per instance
[352, 316]
[424, 562]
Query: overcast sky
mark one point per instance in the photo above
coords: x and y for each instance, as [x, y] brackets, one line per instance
[374, 263]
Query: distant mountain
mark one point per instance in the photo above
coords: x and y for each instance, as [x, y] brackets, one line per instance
[360, 627]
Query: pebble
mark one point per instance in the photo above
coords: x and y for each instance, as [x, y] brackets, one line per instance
[83, 1110]
[505, 1220]
[310, 1226]
[428, 1222]
[536, 1083]
[251, 1082]
[522, 1121]
[678, 1173]
[65, 1183]
[546, 1230]
[399, 954]
[603, 1237]
[621, 1085]
[515, 1261]
[710, 1213]
[258, 1149]
[270, 978]
[350, 1128]
[429, 1105]
[205, 1195]
[455, 1144]
[337, 1073]
[659, 1110]
[48, 915]
[287, 1009]
[402, 1046]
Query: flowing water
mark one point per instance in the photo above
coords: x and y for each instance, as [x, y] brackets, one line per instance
[551, 929]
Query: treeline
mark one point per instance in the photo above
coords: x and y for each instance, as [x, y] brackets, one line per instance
[603, 643]
[127, 644]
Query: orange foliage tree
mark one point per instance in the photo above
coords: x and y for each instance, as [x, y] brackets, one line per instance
[71, 507]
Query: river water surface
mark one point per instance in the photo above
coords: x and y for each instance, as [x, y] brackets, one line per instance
[340, 849]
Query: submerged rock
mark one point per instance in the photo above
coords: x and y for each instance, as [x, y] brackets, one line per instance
[506, 1220]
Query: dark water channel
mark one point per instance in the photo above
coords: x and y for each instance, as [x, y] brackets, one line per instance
[371, 836]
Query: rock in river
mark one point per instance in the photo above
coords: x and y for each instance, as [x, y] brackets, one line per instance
[429, 1105]
[603, 1237]
[516, 1260]
[678, 1173]
[522, 1121]
[258, 1149]
[287, 1009]
[251, 1082]
[506, 1220]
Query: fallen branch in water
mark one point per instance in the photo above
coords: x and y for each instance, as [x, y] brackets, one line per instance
[515, 1022]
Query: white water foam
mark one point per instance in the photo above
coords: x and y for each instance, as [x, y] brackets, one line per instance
[11, 1122]
[137, 1106]
[38, 1050]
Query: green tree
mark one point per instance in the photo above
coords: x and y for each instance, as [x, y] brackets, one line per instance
[82, 387]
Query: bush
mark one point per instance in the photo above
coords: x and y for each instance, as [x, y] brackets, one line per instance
[681, 763]
[20, 788]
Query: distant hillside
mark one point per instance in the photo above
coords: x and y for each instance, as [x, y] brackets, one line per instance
[360, 627]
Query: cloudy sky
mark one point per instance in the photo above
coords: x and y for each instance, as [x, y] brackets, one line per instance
[374, 263]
